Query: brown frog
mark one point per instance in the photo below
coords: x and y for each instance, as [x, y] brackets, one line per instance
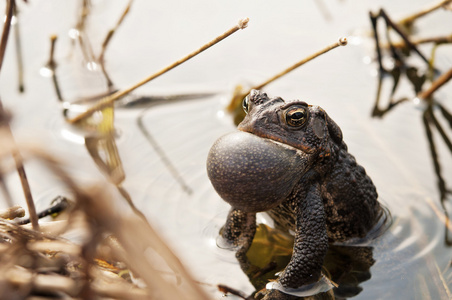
[288, 159]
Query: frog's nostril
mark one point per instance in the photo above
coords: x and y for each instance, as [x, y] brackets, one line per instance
[254, 94]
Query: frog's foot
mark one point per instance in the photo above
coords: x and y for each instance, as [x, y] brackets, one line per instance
[274, 295]
[274, 290]
[227, 244]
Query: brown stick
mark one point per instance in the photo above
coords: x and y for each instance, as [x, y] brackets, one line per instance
[51, 64]
[239, 95]
[12, 212]
[16, 155]
[111, 32]
[110, 99]
[436, 40]
[439, 82]
[20, 62]
[341, 42]
[410, 19]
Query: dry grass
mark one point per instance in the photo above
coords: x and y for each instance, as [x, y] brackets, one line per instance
[118, 250]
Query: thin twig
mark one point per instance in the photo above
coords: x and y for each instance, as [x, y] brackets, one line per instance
[436, 40]
[52, 65]
[341, 42]
[441, 132]
[373, 19]
[410, 19]
[109, 100]
[20, 62]
[26, 189]
[12, 212]
[402, 34]
[111, 32]
[439, 82]
[85, 44]
[6, 28]
[16, 155]
[161, 153]
[239, 97]
[427, 120]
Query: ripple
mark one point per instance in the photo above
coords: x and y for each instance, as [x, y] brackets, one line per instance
[185, 132]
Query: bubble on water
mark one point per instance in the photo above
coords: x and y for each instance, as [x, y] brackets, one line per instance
[92, 66]
[367, 59]
[354, 40]
[46, 72]
[220, 114]
[74, 33]
[373, 72]
[72, 136]
[419, 103]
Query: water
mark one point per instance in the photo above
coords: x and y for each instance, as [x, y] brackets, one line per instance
[411, 260]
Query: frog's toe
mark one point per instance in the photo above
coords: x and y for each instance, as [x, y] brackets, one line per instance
[275, 295]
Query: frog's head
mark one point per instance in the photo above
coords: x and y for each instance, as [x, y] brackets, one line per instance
[294, 123]
[257, 167]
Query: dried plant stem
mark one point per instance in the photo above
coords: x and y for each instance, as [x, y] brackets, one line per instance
[26, 189]
[22, 175]
[16, 155]
[161, 153]
[107, 40]
[341, 42]
[440, 214]
[51, 64]
[439, 82]
[239, 95]
[10, 4]
[399, 30]
[139, 246]
[85, 44]
[436, 40]
[410, 19]
[20, 63]
[12, 212]
[110, 99]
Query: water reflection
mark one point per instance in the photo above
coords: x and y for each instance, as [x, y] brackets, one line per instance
[345, 266]
[430, 123]
[151, 102]
[349, 267]
[403, 66]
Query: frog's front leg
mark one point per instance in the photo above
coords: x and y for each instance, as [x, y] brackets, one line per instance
[239, 232]
[311, 241]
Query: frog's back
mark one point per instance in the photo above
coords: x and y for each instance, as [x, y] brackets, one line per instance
[349, 197]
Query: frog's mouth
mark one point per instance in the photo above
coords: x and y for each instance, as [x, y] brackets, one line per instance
[254, 174]
[304, 155]
[300, 148]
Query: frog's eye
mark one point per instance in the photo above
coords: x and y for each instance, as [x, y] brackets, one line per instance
[245, 104]
[296, 116]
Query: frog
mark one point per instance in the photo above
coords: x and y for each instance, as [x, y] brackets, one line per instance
[288, 159]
